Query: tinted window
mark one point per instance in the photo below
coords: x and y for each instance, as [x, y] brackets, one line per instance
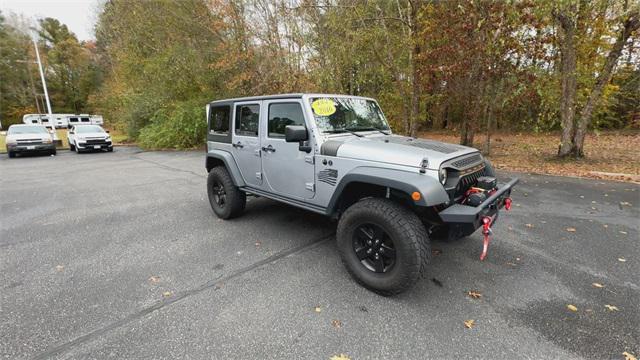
[247, 120]
[85, 119]
[219, 120]
[281, 115]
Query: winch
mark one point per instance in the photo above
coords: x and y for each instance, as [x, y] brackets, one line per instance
[475, 196]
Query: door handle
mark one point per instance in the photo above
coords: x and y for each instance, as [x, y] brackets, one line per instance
[269, 149]
[238, 145]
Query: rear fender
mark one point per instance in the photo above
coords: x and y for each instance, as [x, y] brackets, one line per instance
[216, 157]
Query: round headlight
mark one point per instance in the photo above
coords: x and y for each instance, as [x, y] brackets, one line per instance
[442, 174]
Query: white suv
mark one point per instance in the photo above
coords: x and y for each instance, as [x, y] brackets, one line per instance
[89, 137]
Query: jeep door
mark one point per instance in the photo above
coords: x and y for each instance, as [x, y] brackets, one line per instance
[288, 171]
[245, 141]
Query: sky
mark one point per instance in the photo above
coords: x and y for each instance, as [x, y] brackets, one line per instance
[78, 15]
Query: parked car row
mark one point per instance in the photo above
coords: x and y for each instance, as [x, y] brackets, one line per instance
[24, 138]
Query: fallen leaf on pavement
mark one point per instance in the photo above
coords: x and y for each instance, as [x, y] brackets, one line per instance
[570, 229]
[258, 243]
[605, 226]
[154, 279]
[629, 356]
[611, 307]
[318, 309]
[59, 267]
[623, 232]
[572, 308]
[528, 225]
[474, 294]
[436, 281]
[469, 323]
[622, 259]
[624, 203]
[598, 285]
[336, 324]
[340, 357]
[436, 252]
[167, 293]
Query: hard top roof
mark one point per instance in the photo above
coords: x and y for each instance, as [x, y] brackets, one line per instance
[21, 125]
[285, 96]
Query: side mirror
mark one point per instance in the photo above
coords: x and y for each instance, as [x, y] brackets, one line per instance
[295, 133]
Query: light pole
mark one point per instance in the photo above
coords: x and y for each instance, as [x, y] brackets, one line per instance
[46, 93]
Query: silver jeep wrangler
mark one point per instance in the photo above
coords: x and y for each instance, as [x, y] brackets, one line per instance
[336, 155]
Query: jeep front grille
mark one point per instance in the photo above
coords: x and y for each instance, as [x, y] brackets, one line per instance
[467, 179]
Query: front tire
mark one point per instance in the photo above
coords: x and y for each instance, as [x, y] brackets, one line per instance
[72, 147]
[383, 245]
[11, 154]
[227, 201]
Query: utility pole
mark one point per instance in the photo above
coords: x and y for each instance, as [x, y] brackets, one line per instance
[46, 93]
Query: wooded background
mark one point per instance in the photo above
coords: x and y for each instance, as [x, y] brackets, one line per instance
[467, 66]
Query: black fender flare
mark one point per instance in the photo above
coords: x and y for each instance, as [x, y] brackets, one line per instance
[431, 191]
[229, 163]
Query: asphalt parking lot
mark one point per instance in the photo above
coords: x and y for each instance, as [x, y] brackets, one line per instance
[118, 255]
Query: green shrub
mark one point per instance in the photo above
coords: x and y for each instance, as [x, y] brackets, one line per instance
[180, 127]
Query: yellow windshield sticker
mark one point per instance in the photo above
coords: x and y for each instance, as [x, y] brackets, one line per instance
[323, 107]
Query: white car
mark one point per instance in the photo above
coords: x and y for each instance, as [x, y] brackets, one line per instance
[89, 137]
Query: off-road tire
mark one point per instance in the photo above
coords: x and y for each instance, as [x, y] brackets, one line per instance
[409, 236]
[235, 199]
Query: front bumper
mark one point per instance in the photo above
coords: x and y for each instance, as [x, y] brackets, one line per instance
[95, 146]
[30, 148]
[464, 219]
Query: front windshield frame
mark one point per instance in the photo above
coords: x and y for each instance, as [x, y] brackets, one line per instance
[366, 115]
[85, 129]
[22, 130]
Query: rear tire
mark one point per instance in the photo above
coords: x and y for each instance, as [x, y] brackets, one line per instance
[53, 152]
[403, 236]
[227, 201]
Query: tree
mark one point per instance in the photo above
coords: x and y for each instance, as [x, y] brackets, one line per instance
[569, 18]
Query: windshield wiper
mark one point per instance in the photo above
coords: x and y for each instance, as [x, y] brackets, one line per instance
[371, 128]
[342, 131]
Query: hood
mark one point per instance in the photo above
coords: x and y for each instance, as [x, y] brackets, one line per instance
[394, 149]
[96, 135]
[28, 137]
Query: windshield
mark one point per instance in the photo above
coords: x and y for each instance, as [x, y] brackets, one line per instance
[88, 129]
[337, 115]
[27, 130]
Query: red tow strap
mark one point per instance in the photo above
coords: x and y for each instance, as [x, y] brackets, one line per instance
[486, 230]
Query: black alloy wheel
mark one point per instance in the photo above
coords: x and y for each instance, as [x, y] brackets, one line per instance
[374, 248]
[219, 194]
